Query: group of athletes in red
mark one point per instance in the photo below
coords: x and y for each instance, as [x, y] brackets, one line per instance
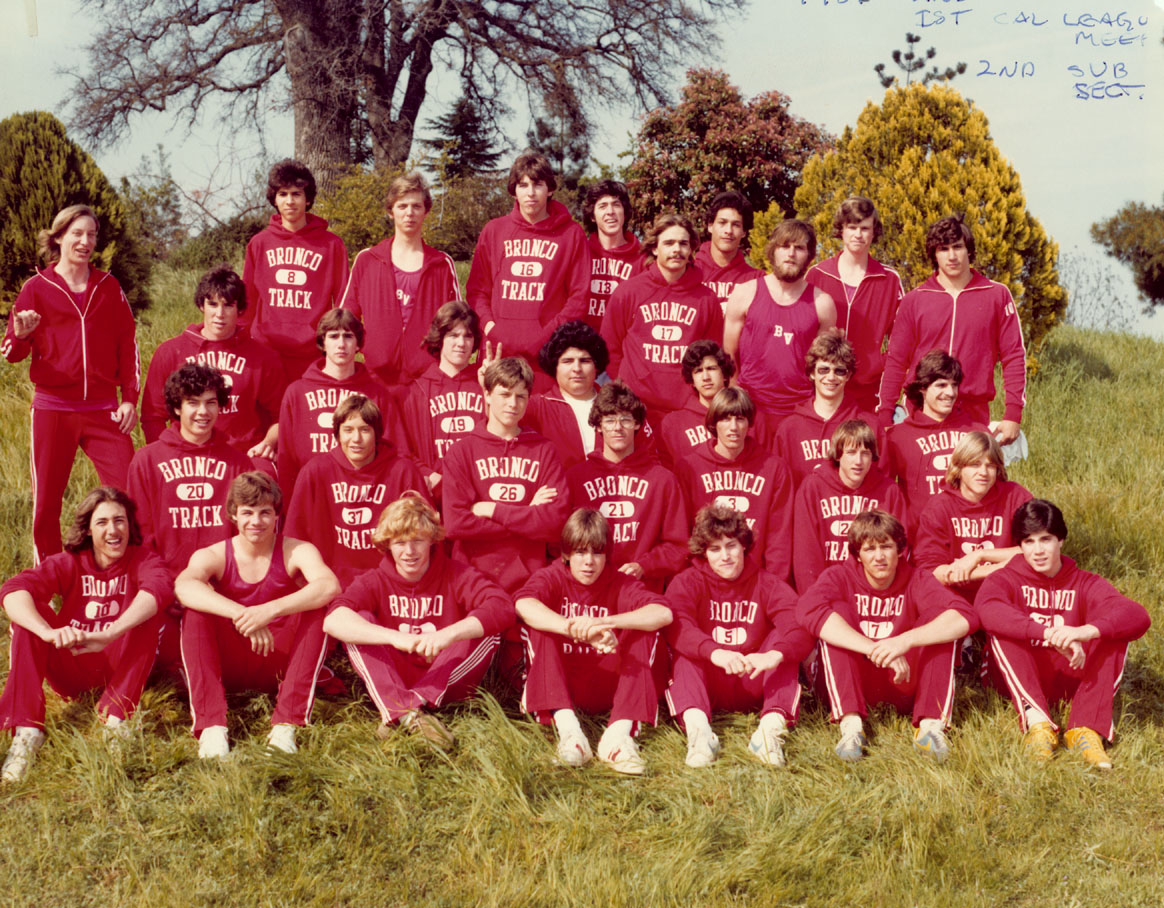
[617, 470]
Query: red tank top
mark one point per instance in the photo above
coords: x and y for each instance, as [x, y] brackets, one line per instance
[277, 582]
[772, 348]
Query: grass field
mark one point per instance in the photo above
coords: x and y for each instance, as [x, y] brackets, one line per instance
[354, 821]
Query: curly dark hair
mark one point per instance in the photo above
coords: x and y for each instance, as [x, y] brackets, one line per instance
[224, 282]
[699, 351]
[290, 172]
[946, 232]
[612, 188]
[573, 334]
[192, 380]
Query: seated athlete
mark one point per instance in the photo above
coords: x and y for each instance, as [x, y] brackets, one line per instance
[963, 533]
[888, 634]
[420, 629]
[732, 469]
[736, 644]
[590, 644]
[338, 495]
[640, 498]
[1057, 632]
[803, 437]
[105, 635]
[445, 403]
[253, 619]
[919, 448]
[832, 496]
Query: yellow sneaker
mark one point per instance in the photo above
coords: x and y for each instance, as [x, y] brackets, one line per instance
[1089, 745]
[1040, 741]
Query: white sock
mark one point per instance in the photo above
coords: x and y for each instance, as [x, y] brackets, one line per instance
[774, 722]
[1035, 715]
[620, 728]
[566, 721]
[695, 719]
[928, 725]
[851, 725]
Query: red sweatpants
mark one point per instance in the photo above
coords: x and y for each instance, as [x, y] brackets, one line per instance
[562, 674]
[398, 682]
[218, 658]
[56, 435]
[853, 683]
[1039, 675]
[697, 684]
[120, 669]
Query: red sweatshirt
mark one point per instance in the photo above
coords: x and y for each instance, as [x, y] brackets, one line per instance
[644, 505]
[80, 352]
[951, 526]
[757, 484]
[180, 491]
[683, 430]
[448, 592]
[93, 598]
[292, 279]
[722, 281]
[252, 371]
[611, 594]
[529, 278]
[608, 269]
[305, 415]
[865, 314]
[755, 613]
[980, 327]
[511, 545]
[392, 351]
[919, 452]
[825, 507]
[438, 411]
[804, 439]
[1019, 603]
[336, 507]
[913, 599]
[648, 326]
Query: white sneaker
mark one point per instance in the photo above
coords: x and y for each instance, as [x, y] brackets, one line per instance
[213, 743]
[115, 732]
[26, 741]
[702, 748]
[621, 753]
[282, 737]
[767, 746]
[574, 749]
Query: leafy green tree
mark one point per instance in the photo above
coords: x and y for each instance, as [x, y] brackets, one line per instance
[910, 62]
[562, 133]
[43, 171]
[153, 206]
[466, 137]
[1135, 236]
[925, 153]
[715, 139]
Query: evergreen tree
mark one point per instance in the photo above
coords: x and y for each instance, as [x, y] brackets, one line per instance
[562, 133]
[1135, 236]
[910, 62]
[466, 137]
[925, 153]
[43, 171]
[714, 139]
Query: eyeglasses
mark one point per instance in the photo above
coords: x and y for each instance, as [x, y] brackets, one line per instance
[617, 422]
[839, 371]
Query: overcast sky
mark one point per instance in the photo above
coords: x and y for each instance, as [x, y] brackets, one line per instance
[1079, 159]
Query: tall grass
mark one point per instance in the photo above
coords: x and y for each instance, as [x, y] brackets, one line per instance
[354, 821]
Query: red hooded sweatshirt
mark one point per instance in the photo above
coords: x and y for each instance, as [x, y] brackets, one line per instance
[292, 279]
[608, 269]
[722, 281]
[482, 466]
[757, 484]
[649, 325]
[180, 490]
[305, 416]
[825, 507]
[439, 410]
[755, 613]
[529, 278]
[644, 505]
[804, 439]
[253, 373]
[336, 506]
[81, 351]
[392, 351]
[448, 592]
